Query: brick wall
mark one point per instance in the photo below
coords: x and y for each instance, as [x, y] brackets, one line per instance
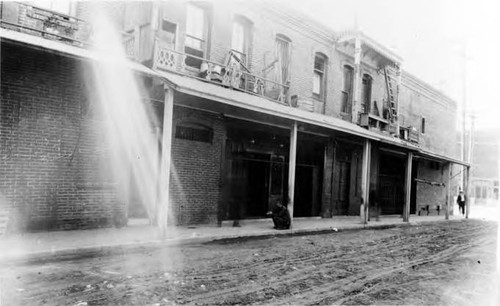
[195, 173]
[50, 152]
[417, 101]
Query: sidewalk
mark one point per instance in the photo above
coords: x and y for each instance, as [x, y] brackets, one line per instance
[34, 245]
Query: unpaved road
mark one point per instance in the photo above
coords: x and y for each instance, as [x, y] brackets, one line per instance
[445, 263]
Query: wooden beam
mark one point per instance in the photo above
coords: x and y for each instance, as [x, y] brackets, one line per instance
[291, 170]
[166, 159]
[365, 181]
[406, 212]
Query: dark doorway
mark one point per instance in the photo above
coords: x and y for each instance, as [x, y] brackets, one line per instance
[304, 192]
[342, 180]
[249, 185]
[391, 183]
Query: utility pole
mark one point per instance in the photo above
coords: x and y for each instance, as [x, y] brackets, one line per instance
[464, 110]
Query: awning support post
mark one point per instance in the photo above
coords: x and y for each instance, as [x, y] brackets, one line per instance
[365, 182]
[291, 170]
[406, 212]
[467, 192]
[448, 192]
[166, 158]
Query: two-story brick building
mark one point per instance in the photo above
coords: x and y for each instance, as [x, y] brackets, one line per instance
[256, 102]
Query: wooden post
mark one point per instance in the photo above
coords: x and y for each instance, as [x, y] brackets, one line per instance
[166, 158]
[356, 85]
[467, 191]
[291, 170]
[406, 212]
[448, 192]
[365, 181]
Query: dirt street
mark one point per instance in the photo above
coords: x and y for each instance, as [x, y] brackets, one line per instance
[446, 263]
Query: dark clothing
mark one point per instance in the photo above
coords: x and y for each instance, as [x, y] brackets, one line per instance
[461, 203]
[281, 217]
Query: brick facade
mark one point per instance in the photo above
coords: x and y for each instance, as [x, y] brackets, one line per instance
[50, 152]
[195, 173]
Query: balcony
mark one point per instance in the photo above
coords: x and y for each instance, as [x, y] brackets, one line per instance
[143, 46]
[38, 21]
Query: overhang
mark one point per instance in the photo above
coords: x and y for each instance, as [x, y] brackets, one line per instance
[54, 46]
[195, 87]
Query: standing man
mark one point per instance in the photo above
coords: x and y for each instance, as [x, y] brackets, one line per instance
[461, 202]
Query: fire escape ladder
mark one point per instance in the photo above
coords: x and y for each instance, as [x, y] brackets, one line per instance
[392, 93]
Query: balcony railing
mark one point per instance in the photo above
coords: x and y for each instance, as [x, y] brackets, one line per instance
[38, 21]
[230, 75]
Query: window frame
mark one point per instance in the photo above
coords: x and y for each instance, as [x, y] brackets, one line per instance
[321, 96]
[282, 40]
[348, 102]
[246, 25]
[204, 40]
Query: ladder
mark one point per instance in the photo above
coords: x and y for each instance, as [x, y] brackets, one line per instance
[392, 93]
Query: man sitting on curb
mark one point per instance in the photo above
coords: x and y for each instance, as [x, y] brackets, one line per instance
[280, 215]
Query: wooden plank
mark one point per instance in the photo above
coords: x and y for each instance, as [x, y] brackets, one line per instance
[406, 212]
[291, 170]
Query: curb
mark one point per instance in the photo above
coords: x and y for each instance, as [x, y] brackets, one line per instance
[76, 253]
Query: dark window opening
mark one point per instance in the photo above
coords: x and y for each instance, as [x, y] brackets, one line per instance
[194, 133]
[422, 126]
[168, 33]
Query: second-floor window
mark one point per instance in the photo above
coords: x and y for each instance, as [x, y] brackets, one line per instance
[240, 42]
[346, 106]
[367, 93]
[282, 49]
[319, 76]
[196, 35]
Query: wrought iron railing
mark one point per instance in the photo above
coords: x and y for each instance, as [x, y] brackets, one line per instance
[38, 21]
[230, 75]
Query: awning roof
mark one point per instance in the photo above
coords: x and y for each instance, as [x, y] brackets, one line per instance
[192, 86]
[55, 46]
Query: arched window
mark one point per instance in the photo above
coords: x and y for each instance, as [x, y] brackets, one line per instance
[319, 76]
